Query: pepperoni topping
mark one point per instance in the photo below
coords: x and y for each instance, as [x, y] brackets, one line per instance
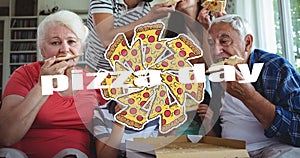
[179, 91]
[149, 59]
[116, 57]
[124, 113]
[134, 52]
[167, 113]
[151, 39]
[113, 91]
[193, 94]
[181, 63]
[133, 111]
[108, 76]
[158, 109]
[177, 79]
[146, 95]
[137, 68]
[192, 77]
[182, 53]
[162, 93]
[124, 52]
[171, 57]
[192, 54]
[167, 101]
[142, 36]
[188, 86]
[129, 63]
[142, 103]
[164, 64]
[157, 32]
[163, 121]
[147, 50]
[158, 46]
[139, 118]
[169, 78]
[176, 112]
[178, 45]
[124, 43]
[130, 101]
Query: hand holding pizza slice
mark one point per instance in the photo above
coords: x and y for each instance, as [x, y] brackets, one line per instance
[215, 5]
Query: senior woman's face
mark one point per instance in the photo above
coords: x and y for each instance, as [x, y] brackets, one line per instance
[60, 42]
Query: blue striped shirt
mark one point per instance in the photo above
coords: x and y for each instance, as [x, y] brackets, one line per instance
[280, 84]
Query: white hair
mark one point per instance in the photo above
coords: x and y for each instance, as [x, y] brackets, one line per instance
[237, 23]
[62, 18]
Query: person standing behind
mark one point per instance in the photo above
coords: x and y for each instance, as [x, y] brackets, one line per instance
[185, 21]
[107, 18]
[47, 126]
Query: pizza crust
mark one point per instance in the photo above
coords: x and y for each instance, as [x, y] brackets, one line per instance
[67, 57]
[233, 60]
[119, 39]
[143, 28]
[129, 122]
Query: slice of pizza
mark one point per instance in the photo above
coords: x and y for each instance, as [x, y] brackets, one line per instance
[130, 80]
[120, 51]
[134, 115]
[171, 116]
[183, 49]
[219, 66]
[154, 47]
[215, 5]
[110, 92]
[180, 90]
[68, 57]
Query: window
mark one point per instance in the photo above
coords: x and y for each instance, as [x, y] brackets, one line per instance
[287, 28]
[276, 27]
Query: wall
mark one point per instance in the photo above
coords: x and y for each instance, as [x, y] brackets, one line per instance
[4, 3]
[79, 6]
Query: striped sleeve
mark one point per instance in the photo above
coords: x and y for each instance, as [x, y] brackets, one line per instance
[101, 6]
[102, 123]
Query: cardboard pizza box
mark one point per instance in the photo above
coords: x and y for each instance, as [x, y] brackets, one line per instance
[181, 146]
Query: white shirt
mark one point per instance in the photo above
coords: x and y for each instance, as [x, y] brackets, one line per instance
[238, 122]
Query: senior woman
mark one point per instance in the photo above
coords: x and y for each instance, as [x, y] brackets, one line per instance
[35, 125]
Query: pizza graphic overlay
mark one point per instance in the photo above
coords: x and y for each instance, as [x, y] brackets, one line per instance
[151, 88]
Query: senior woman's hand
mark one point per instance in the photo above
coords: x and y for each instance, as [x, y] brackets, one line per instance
[50, 67]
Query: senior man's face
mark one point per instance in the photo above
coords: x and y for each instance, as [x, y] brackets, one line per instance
[60, 42]
[227, 42]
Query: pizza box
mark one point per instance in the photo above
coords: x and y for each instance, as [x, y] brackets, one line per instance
[181, 146]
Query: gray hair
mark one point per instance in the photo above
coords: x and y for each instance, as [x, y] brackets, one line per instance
[237, 22]
[62, 18]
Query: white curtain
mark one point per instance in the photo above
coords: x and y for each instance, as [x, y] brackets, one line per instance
[260, 15]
